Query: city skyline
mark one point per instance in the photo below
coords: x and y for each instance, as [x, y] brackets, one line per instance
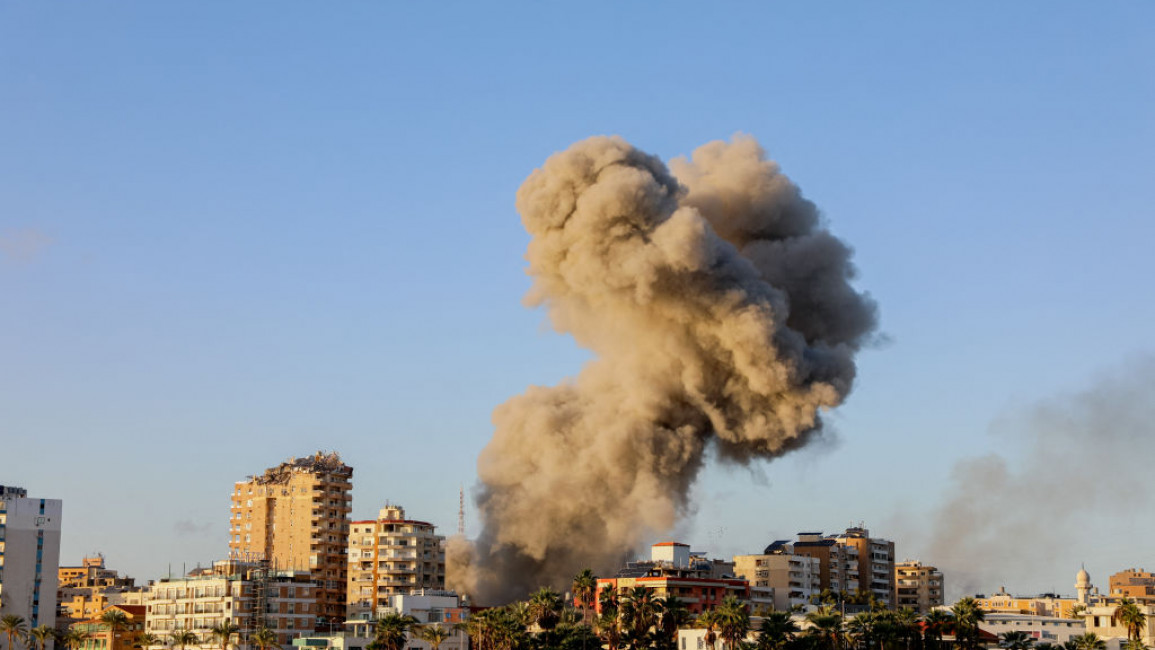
[224, 243]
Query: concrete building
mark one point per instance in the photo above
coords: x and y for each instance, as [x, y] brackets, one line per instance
[29, 557]
[85, 591]
[1044, 605]
[248, 594]
[791, 579]
[918, 587]
[838, 563]
[1136, 584]
[101, 636]
[1100, 619]
[296, 516]
[1041, 629]
[428, 607]
[673, 570]
[391, 556]
[875, 563]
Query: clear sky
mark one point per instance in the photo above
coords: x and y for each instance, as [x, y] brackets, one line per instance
[231, 233]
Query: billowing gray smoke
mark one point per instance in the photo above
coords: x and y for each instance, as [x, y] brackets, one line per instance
[720, 312]
[1074, 475]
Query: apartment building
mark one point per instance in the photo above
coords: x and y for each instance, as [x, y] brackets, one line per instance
[917, 586]
[101, 635]
[85, 591]
[794, 579]
[249, 594]
[29, 557]
[875, 563]
[390, 556]
[838, 563]
[296, 516]
[1136, 584]
[673, 570]
[1045, 605]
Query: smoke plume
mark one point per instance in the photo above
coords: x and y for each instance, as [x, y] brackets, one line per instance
[1080, 476]
[720, 312]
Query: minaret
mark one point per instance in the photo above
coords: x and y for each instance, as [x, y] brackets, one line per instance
[1082, 585]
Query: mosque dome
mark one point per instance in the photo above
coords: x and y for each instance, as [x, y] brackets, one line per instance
[1082, 579]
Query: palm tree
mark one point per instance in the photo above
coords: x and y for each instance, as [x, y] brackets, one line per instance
[826, 626]
[1089, 641]
[733, 621]
[609, 624]
[1132, 644]
[936, 623]
[545, 608]
[778, 629]
[860, 629]
[74, 638]
[907, 628]
[117, 622]
[264, 639]
[41, 635]
[13, 627]
[1015, 640]
[1129, 615]
[585, 585]
[184, 638]
[639, 614]
[393, 631]
[434, 635]
[1078, 610]
[224, 633]
[967, 616]
[1047, 645]
[147, 640]
[672, 615]
[709, 620]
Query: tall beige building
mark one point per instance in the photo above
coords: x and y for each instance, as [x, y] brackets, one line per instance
[296, 516]
[917, 586]
[793, 578]
[389, 556]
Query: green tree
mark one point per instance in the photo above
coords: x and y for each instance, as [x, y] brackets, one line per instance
[777, 631]
[264, 639]
[584, 588]
[1088, 641]
[826, 628]
[434, 635]
[74, 638]
[708, 620]
[936, 623]
[1015, 640]
[1128, 614]
[146, 640]
[1132, 644]
[733, 621]
[41, 635]
[672, 616]
[967, 616]
[117, 622]
[392, 631]
[639, 614]
[545, 607]
[183, 638]
[224, 633]
[13, 627]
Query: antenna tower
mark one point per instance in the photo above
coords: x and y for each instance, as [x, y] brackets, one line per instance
[461, 510]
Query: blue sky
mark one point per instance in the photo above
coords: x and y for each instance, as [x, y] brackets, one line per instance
[236, 232]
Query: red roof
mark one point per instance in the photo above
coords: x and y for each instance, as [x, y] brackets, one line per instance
[672, 544]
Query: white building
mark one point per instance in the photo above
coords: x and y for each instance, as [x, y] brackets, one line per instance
[29, 557]
[247, 594]
[1048, 629]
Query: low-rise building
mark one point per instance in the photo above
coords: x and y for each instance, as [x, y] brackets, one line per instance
[1052, 605]
[103, 636]
[250, 595]
[86, 591]
[1042, 629]
[917, 586]
[1136, 584]
[673, 570]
